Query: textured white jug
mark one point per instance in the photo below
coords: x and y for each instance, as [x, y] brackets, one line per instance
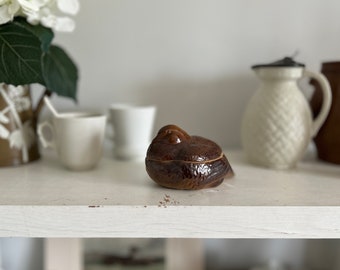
[277, 125]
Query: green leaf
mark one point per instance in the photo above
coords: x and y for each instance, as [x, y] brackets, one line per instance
[60, 73]
[44, 34]
[27, 56]
[20, 55]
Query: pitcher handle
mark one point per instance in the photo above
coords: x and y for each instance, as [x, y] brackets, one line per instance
[326, 103]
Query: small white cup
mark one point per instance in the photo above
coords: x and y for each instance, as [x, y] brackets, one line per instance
[132, 130]
[77, 138]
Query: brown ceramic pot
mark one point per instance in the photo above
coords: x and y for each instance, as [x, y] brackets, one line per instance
[177, 160]
[18, 141]
[327, 140]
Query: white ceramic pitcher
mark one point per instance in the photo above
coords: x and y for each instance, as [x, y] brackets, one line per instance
[277, 125]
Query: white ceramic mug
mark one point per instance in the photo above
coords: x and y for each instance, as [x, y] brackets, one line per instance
[77, 138]
[132, 130]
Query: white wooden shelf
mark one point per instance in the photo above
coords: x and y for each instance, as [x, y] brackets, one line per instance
[118, 199]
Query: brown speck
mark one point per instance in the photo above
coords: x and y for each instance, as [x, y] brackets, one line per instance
[167, 200]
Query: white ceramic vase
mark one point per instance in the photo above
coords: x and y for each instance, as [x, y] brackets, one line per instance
[277, 125]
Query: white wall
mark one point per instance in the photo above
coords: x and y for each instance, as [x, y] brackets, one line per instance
[192, 58]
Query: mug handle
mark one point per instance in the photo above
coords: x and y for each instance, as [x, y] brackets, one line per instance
[45, 141]
[326, 103]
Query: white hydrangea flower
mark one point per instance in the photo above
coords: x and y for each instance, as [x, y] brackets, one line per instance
[68, 6]
[32, 5]
[8, 9]
[62, 24]
[50, 13]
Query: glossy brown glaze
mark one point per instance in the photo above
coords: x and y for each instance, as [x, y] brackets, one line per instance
[180, 161]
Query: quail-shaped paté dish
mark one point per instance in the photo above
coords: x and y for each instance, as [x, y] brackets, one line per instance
[177, 160]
